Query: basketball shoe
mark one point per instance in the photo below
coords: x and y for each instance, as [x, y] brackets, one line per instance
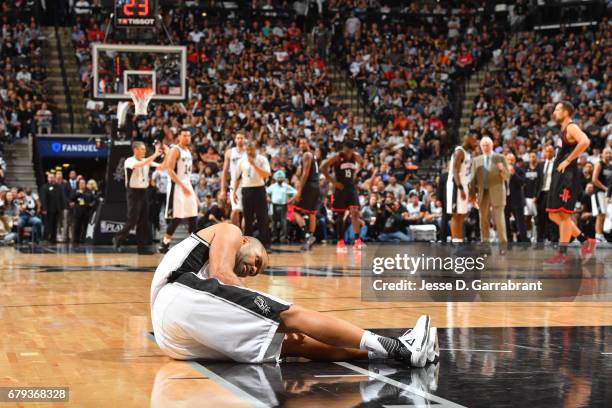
[557, 259]
[587, 249]
[309, 243]
[433, 347]
[358, 244]
[415, 342]
[164, 248]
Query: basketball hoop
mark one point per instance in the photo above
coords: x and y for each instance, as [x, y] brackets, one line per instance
[141, 98]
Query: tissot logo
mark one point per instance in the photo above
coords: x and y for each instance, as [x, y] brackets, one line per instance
[137, 21]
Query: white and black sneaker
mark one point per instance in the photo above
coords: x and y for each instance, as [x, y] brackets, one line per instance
[433, 347]
[163, 248]
[415, 342]
[309, 243]
[116, 245]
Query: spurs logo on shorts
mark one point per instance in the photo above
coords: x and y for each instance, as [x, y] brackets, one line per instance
[262, 305]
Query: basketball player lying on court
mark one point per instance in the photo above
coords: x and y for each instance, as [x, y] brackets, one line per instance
[201, 310]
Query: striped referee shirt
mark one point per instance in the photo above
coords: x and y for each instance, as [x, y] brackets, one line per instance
[137, 178]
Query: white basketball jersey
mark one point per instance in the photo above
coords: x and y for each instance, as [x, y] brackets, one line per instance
[235, 157]
[179, 204]
[465, 172]
[184, 165]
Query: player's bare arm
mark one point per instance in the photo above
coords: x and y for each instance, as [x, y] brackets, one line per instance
[225, 172]
[574, 133]
[359, 161]
[595, 179]
[225, 240]
[149, 159]
[237, 178]
[325, 166]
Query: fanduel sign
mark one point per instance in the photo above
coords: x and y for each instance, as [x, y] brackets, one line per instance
[71, 147]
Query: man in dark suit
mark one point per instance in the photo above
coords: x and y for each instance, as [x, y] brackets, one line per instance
[71, 187]
[64, 222]
[73, 183]
[515, 202]
[52, 204]
[545, 228]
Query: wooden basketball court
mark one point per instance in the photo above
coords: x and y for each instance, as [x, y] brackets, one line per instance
[79, 318]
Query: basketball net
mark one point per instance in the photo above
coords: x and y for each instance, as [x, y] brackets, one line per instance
[140, 99]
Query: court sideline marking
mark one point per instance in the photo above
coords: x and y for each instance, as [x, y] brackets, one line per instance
[443, 402]
[476, 350]
[239, 392]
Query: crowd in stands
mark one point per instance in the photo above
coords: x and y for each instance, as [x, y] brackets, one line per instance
[516, 99]
[405, 68]
[59, 212]
[24, 104]
[268, 77]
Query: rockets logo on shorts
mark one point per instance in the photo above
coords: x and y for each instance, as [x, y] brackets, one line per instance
[260, 302]
[565, 195]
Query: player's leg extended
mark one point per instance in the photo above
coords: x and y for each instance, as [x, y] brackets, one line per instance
[339, 215]
[554, 217]
[191, 224]
[235, 218]
[599, 222]
[300, 345]
[340, 225]
[356, 221]
[457, 227]
[566, 228]
[172, 225]
[320, 326]
[312, 223]
[299, 219]
[337, 335]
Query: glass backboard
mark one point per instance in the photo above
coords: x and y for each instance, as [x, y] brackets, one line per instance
[119, 67]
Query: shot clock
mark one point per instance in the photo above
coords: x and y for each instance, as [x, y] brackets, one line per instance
[134, 13]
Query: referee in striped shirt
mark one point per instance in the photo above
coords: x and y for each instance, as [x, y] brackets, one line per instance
[253, 170]
[136, 170]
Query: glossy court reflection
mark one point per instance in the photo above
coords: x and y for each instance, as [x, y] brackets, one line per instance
[479, 367]
[75, 317]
